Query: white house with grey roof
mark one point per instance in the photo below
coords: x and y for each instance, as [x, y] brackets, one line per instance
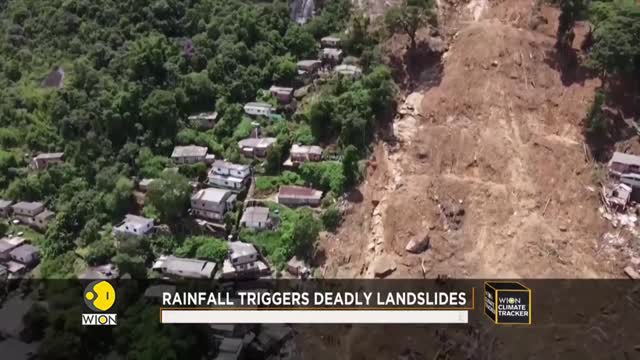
[212, 203]
[258, 109]
[228, 175]
[190, 154]
[256, 147]
[256, 217]
[185, 268]
[243, 261]
[134, 226]
[45, 160]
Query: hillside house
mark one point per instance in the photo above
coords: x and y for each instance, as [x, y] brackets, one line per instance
[297, 267]
[185, 268]
[33, 214]
[190, 154]
[43, 219]
[205, 121]
[299, 196]
[256, 147]
[622, 163]
[8, 244]
[243, 261]
[5, 208]
[256, 218]
[144, 184]
[351, 71]
[55, 79]
[230, 349]
[228, 175]
[258, 109]
[212, 203]
[308, 67]
[26, 254]
[283, 94]
[303, 153]
[45, 160]
[154, 292]
[331, 42]
[106, 272]
[331, 55]
[134, 226]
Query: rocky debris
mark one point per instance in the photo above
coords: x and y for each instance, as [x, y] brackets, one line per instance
[632, 273]
[454, 215]
[418, 244]
[383, 267]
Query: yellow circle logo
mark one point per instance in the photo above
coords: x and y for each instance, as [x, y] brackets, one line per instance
[100, 296]
[512, 301]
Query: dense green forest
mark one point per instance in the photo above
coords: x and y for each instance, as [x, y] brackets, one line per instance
[133, 72]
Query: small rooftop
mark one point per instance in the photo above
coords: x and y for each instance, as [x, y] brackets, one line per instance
[257, 142]
[299, 192]
[280, 89]
[239, 248]
[211, 116]
[211, 194]
[23, 251]
[255, 214]
[157, 290]
[348, 69]
[28, 206]
[306, 63]
[45, 215]
[189, 151]
[136, 220]
[332, 52]
[182, 266]
[5, 245]
[623, 158]
[331, 39]
[50, 156]
[146, 182]
[55, 79]
[229, 165]
[5, 203]
[306, 149]
[258, 105]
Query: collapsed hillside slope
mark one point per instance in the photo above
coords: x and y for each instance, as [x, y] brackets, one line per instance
[498, 136]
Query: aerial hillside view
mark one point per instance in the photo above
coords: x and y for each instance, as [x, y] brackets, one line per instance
[237, 140]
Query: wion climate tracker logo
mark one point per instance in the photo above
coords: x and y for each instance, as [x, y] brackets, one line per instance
[99, 296]
[507, 302]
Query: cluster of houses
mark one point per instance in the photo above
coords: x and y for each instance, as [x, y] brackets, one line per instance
[33, 214]
[17, 256]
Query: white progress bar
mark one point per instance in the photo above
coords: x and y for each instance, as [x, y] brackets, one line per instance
[314, 316]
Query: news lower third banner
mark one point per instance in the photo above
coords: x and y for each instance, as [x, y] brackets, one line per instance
[499, 303]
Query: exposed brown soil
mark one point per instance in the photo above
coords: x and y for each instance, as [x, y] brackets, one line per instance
[497, 132]
[498, 129]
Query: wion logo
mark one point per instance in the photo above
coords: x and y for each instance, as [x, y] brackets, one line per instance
[507, 302]
[99, 296]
